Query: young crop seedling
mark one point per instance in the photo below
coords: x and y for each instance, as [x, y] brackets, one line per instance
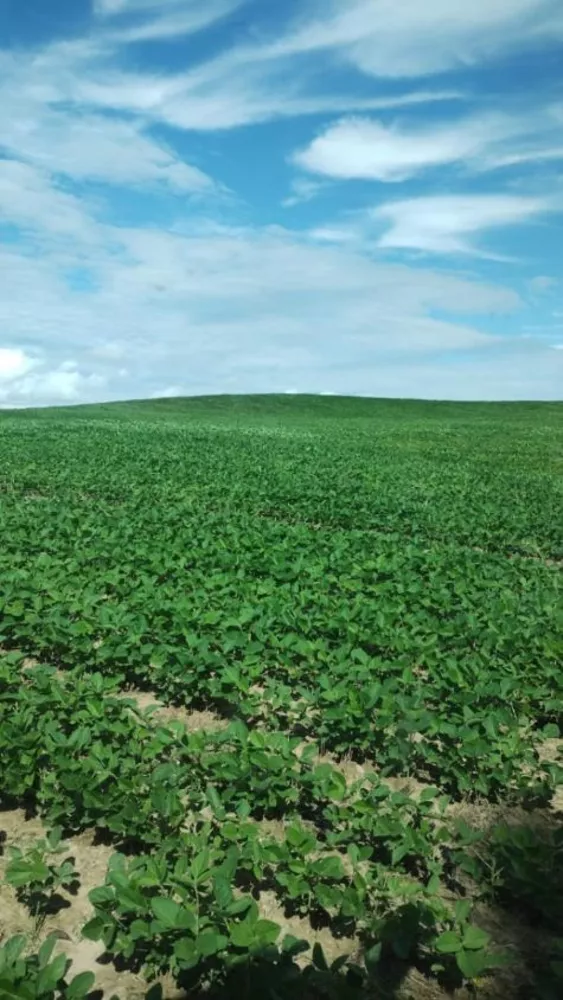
[38, 878]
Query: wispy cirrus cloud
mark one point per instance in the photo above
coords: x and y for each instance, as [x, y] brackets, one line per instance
[414, 39]
[228, 92]
[157, 21]
[240, 85]
[98, 148]
[446, 223]
[31, 199]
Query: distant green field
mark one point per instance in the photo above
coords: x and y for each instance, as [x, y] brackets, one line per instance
[367, 595]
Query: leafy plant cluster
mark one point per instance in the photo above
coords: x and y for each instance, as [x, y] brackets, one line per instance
[40, 975]
[84, 757]
[152, 779]
[188, 909]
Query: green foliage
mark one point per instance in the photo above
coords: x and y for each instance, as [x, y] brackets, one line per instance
[176, 910]
[39, 975]
[523, 866]
[377, 581]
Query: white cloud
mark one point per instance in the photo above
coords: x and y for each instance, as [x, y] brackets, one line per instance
[161, 20]
[14, 363]
[49, 387]
[442, 223]
[411, 38]
[517, 374]
[251, 310]
[60, 384]
[539, 154]
[109, 350]
[109, 7]
[95, 147]
[243, 85]
[363, 148]
[302, 190]
[29, 198]
[543, 283]
[226, 94]
[332, 234]
[254, 82]
[253, 307]
[381, 37]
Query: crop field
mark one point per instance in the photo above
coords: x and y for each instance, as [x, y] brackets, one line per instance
[281, 700]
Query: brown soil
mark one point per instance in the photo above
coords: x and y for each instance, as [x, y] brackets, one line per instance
[194, 721]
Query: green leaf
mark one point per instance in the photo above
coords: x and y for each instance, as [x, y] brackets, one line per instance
[24, 872]
[239, 906]
[215, 802]
[186, 952]
[294, 946]
[94, 929]
[462, 909]
[80, 986]
[155, 992]
[551, 731]
[54, 838]
[9, 991]
[242, 935]
[166, 911]
[267, 931]
[429, 794]
[49, 978]
[102, 894]
[13, 948]
[471, 963]
[209, 943]
[474, 939]
[448, 943]
[46, 950]
[223, 893]
[139, 929]
[328, 867]
[372, 957]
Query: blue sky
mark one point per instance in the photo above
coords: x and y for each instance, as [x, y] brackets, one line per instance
[339, 196]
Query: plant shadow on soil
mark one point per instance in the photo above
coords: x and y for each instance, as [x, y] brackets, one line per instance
[276, 980]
